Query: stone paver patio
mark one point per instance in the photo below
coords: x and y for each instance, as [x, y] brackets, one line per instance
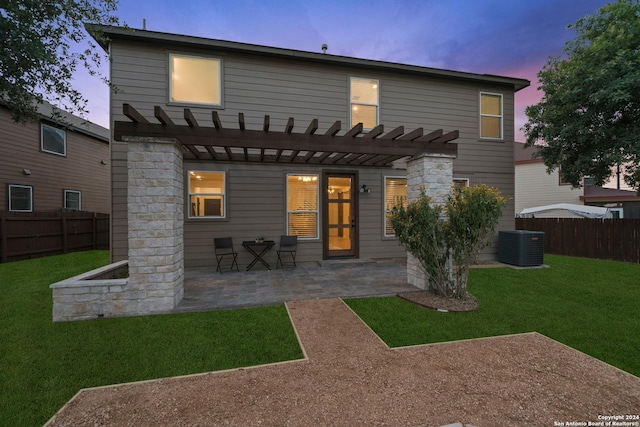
[204, 289]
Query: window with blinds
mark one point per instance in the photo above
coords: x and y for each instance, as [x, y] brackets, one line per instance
[302, 206]
[395, 194]
[364, 102]
[72, 200]
[490, 115]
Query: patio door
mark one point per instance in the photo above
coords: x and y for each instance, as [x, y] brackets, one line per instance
[340, 214]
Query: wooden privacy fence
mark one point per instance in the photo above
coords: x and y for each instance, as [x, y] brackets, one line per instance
[616, 239]
[37, 234]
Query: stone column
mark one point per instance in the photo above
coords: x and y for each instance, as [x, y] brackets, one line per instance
[433, 174]
[155, 215]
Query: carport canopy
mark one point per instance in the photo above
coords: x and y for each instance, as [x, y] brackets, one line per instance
[374, 148]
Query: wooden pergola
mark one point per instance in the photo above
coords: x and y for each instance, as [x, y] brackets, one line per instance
[374, 148]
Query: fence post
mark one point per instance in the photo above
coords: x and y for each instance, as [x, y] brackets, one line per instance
[3, 238]
[94, 237]
[64, 233]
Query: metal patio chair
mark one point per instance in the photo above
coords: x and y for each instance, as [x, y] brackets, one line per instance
[288, 245]
[224, 247]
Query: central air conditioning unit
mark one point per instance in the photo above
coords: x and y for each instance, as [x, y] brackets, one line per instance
[521, 248]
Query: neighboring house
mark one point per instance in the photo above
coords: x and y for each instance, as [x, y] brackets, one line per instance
[270, 193]
[621, 203]
[535, 187]
[47, 166]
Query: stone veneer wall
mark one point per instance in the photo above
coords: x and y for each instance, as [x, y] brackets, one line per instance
[155, 215]
[156, 250]
[433, 174]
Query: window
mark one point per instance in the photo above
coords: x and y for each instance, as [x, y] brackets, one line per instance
[617, 213]
[460, 182]
[302, 206]
[395, 194]
[195, 80]
[561, 180]
[20, 198]
[364, 102]
[53, 140]
[490, 115]
[207, 194]
[72, 200]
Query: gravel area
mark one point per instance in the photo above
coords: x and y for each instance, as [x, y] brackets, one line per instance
[350, 377]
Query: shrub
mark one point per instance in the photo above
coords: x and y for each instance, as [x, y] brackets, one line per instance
[446, 239]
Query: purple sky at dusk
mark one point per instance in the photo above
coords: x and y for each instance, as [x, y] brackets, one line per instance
[505, 37]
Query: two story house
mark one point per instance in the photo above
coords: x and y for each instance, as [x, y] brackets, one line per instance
[338, 207]
[214, 138]
[51, 166]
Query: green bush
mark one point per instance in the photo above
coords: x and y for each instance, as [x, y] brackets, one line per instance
[446, 239]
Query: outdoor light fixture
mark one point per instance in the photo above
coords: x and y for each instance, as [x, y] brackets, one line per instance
[364, 189]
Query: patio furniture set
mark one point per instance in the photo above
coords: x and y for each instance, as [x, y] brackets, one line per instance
[257, 248]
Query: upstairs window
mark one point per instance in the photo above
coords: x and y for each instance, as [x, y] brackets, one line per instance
[207, 194]
[72, 200]
[364, 102]
[20, 198]
[490, 115]
[302, 206]
[195, 80]
[395, 195]
[53, 140]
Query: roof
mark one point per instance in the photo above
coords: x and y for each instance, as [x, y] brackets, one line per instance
[184, 41]
[594, 194]
[55, 115]
[74, 123]
[523, 155]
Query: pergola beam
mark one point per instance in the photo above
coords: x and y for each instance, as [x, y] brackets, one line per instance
[133, 114]
[278, 141]
[371, 149]
[289, 127]
[216, 119]
[354, 131]
[190, 119]
[430, 136]
[394, 133]
[375, 132]
[312, 128]
[414, 134]
[334, 129]
[162, 116]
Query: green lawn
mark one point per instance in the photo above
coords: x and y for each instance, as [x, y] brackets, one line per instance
[43, 364]
[590, 305]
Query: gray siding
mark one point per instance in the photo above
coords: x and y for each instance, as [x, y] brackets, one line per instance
[80, 170]
[256, 206]
[257, 85]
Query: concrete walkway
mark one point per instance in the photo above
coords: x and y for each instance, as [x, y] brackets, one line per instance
[204, 289]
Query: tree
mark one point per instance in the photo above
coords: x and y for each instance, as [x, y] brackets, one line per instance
[40, 52]
[446, 239]
[588, 121]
